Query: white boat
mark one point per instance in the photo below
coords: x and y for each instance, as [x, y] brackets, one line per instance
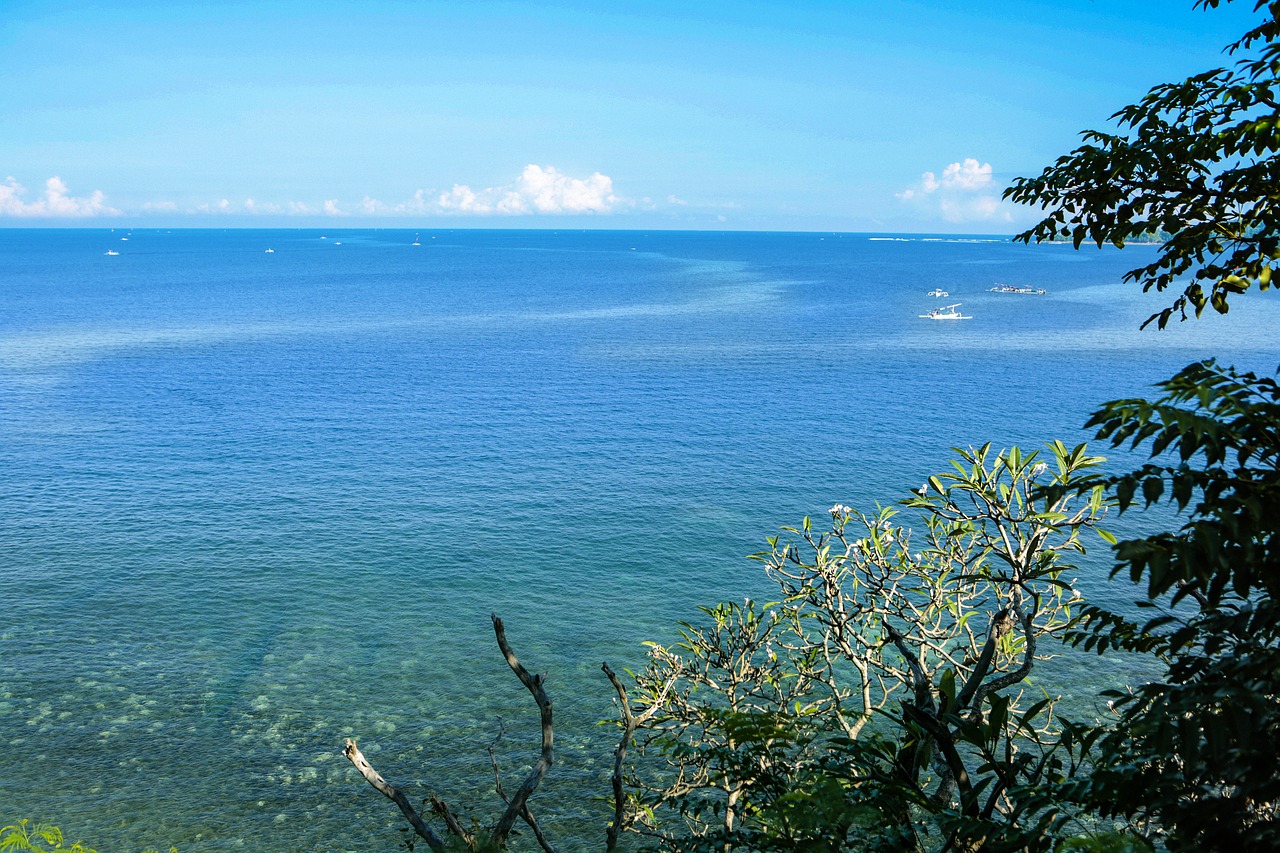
[1009, 288]
[112, 252]
[946, 312]
[937, 293]
[416, 242]
[270, 252]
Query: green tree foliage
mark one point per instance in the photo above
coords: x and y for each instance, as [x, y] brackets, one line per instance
[1194, 756]
[878, 703]
[26, 837]
[1192, 759]
[37, 838]
[1196, 160]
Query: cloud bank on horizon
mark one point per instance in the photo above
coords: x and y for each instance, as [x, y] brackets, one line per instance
[537, 190]
[964, 193]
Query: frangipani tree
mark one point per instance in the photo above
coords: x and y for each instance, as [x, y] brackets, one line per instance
[878, 700]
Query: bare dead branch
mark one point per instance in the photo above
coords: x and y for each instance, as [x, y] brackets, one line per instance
[517, 805]
[382, 786]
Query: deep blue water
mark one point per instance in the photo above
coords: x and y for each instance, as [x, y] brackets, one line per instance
[256, 502]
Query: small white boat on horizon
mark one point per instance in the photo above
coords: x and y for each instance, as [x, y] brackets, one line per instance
[946, 312]
[112, 252]
[937, 293]
[270, 252]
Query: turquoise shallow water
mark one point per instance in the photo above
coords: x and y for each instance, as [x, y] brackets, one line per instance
[256, 502]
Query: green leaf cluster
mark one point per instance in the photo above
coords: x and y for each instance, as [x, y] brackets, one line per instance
[1198, 161]
[1192, 757]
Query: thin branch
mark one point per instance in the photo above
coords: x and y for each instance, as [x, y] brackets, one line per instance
[525, 815]
[450, 820]
[519, 800]
[630, 723]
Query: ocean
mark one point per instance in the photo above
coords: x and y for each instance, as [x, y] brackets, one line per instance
[255, 502]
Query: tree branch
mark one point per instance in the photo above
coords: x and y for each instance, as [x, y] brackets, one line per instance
[533, 684]
[525, 814]
[630, 723]
[382, 786]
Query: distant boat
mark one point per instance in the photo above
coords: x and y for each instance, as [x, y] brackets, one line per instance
[938, 293]
[416, 241]
[270, 251]
[946, 312]
[1009, 288]
[112, 252]
[126, 239]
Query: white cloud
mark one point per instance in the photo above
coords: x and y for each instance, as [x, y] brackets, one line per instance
[251, 206]
[222, 205]
[55, 202]
[463, 200]
[964, 193]
[967, 175]
[538, 189]
[553, 192]
[331, 208]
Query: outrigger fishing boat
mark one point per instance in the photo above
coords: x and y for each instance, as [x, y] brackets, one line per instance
[1009, 288]
[946, 312]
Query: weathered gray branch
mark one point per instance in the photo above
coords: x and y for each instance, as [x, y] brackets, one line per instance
[353, 754]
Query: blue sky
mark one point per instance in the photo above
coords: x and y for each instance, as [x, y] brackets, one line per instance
[850, 116]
